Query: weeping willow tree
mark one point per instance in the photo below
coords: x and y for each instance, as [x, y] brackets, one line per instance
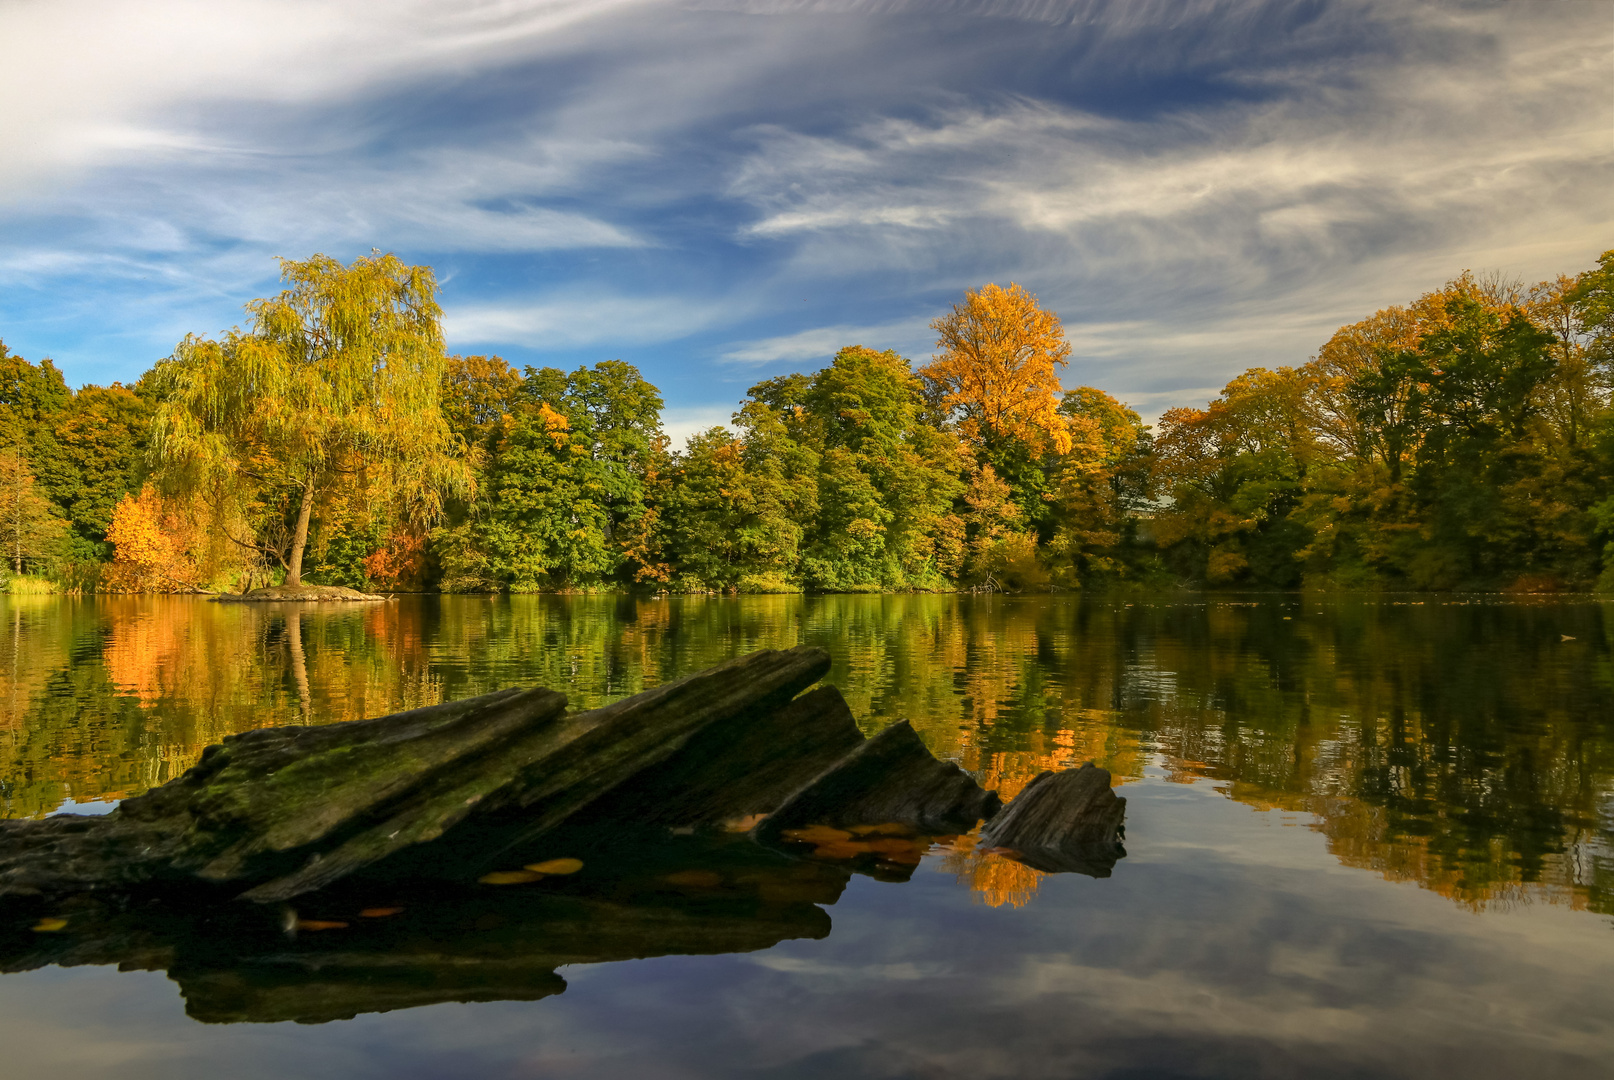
[329, 396]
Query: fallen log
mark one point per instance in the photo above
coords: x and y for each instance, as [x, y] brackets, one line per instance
[889, 778]
[1066, 821]
[279, 812]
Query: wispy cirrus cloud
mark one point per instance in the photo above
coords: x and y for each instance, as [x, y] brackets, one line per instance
[563, 321]
[1194, 185]
[822, 342]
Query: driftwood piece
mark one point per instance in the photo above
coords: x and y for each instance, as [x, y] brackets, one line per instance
[1062, 822]
[284, 811]
[889, 778]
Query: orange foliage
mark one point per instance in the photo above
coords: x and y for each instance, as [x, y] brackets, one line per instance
[399, 563]
[150, 543]
[996, 366]
[996, 880]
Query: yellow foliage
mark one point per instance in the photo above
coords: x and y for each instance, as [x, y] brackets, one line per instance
[996, 367]
[149, 545]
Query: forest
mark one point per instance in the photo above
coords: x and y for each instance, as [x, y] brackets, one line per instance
[1464, 440]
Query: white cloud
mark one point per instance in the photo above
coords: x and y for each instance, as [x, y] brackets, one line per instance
[681, 423]
[821, 343]
[81, 77]
[170, 147]
[563, 321]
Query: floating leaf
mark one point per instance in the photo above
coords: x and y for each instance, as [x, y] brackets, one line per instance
[889, 828]
[49, 925]
[697, 879]
[556, 866]
[816, 834]
[320, 924]
[378, 912]
[509, 877]
[743, 824]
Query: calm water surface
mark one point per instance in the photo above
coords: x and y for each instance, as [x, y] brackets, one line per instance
[1365, 837]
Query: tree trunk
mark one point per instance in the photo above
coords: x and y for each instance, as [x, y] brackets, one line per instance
[299, 539]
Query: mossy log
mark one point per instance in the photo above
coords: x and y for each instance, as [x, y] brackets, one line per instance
[279, 812]
[1066, 821]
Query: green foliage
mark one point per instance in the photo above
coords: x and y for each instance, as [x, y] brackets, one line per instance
[1464, 440]
[564, 467]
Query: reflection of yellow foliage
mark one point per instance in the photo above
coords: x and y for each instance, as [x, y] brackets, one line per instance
[995, 879]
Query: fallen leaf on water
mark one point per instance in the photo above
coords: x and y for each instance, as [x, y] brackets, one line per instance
[743, 824]
[509, 877]
[49, 926]
[320, 924]
[378, 912]
[1566, 637]
[889, 828]
[816, 834]
[698, 879]
[556, 866]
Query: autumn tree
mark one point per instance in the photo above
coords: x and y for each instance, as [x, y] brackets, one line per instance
[1098, 487]
[995, 373]
[1236, 471]
[336, 381]
[149, 553]
[31, 530]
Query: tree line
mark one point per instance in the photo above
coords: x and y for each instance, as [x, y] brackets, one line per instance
[1465, 440]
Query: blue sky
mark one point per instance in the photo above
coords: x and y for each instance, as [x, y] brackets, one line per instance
[723, 191]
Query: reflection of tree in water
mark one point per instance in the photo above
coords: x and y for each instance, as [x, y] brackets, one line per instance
[995, 880]
[1464, 747]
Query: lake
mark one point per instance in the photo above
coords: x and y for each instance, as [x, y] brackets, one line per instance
[1365, 837]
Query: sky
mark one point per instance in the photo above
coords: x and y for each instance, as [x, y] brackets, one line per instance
[720, 191]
